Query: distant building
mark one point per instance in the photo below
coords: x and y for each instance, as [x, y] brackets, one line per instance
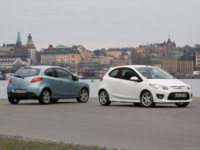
[165, 47]
[170, 65]
[197, 60]
[174, 54]
[33, 56]
[115, 53]
[185, 66]
[7, 50]
[48, 58]
[85, 54]
[120, 62]
[118, 52]
[61, 56]
[13, 62]
[101, 60]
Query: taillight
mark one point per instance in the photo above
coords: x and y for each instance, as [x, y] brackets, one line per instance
[101, 78]
[36, 79]
[10, 81]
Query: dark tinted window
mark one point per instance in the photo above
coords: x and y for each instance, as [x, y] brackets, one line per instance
[114, 73]
[128, 73]
[61, 73]
[27, 72]
[50, 72]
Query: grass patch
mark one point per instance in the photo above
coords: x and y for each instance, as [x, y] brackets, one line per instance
[17, 143]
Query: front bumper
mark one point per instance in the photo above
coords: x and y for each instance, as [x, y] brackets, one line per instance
[169, 97]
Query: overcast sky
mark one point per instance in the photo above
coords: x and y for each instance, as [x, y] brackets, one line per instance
[100, 23]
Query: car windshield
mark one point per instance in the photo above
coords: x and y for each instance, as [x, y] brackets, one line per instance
[154, 73]
[26, 72]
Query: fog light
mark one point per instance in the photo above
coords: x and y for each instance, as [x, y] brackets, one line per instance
[160, 96]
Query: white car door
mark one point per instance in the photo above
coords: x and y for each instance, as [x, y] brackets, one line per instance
[111, 83]
[127, 90]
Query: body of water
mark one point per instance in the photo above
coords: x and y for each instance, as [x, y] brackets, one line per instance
[94, 86]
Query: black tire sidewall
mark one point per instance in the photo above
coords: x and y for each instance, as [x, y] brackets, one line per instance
[13, 100]
[182, 104]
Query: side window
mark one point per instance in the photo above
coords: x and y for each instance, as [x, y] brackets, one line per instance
[114, 73]
[61, 73]
[50, 72]
[128, 73]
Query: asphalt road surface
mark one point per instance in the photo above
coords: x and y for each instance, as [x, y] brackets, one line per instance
[121, 125]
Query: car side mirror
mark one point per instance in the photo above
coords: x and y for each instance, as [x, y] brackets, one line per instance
[75, 78]
[134, 79]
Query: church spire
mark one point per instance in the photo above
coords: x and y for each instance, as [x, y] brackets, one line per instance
[18, 42]
[169, 40]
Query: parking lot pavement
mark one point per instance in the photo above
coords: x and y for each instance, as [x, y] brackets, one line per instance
[120, 125]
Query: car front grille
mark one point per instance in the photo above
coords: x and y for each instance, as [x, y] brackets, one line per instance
[178, 87]
[172, 96]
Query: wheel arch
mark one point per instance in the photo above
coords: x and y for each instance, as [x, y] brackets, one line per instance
[102, 89]
[144, 90]
[85, 87]
[46, 88]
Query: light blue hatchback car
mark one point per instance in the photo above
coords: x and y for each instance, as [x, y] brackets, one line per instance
[48, 84]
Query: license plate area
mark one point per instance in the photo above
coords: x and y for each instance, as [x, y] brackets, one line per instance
[20, 91]
[180, 95]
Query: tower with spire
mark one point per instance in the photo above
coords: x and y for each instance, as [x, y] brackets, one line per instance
[18, 42]
[29, 43]
[169, 45]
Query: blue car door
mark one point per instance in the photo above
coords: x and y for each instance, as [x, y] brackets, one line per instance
[67, 86]
[53, 82]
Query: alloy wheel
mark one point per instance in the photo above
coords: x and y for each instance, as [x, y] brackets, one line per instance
[147, 99]
[45, 97]
[104, 98]
[83, 96]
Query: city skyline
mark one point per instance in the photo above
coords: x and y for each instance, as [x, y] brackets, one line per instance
[100, 24]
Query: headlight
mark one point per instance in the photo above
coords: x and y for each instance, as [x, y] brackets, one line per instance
[156, 86]
[189, 87]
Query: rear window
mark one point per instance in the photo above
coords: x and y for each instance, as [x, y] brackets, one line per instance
[114, 73]
[27, 72]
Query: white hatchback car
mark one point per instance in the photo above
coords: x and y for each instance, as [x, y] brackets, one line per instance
[143, 85]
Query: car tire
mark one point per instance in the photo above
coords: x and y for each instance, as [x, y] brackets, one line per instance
[181, 104]
[54, 100]
[45, 97]
[104, 98]
[137, 104]
[146, 99]
[83, 96]
[13, 100]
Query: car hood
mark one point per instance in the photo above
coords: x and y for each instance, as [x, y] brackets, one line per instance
[167, 82]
